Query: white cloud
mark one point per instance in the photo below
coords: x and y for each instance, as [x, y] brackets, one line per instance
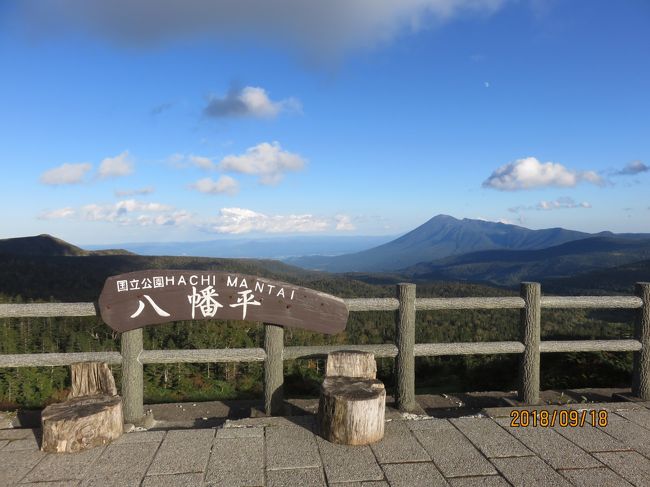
[120, 165]
[134, 192]
[344, 223]
[268, 161]
[122, 212]
[225, 184]
[322, 29]
[251, 101]
[57, 214]
[241, 220]
[175, 218]
[529, 173]
[66, 174]
[182, 161]
[561, 203]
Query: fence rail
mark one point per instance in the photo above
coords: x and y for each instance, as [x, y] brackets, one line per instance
[530, 302]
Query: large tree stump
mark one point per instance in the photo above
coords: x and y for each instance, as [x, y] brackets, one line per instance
[351, 410]
[92, 415]
[352, 402]
[81, 423]
[351, 363]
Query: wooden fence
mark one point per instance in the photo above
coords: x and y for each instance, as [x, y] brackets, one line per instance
[133, 356]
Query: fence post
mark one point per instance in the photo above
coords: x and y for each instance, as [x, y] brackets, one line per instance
[641, 378]
[132, 381]
[273, 369]
[530, 330]
[405, 341]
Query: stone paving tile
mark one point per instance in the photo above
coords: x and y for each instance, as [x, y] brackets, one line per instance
[56, 483]
[121, 465]
[304, 477]
[552, 447]
[638, 416]
[64, 466]
[140, 437]
[529, 471]
[591, 439]
[482, 481]
[178, 480]
[3, 443]
[595, 477]
[293, 447]
[15, 465]
[490, 438]
[413, 475]
[236, 461]
[240, 433]
[372, 483]
[450, 450]
[348, 463]
[630, 465]
[19, 433]
[399, 445]
[183, 451]
[629, 433]
[29, 443]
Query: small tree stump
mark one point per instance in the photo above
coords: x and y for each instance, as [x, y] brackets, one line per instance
[81, 423]
[90, 379]
[351, 363]
[351, 410]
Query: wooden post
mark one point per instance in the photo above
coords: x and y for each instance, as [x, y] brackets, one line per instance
[273, 369]
[405, 341]
[641, 378]
[132, 376]
[530, 326]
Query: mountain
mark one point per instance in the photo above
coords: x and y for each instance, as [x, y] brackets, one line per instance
[440, 237]
[509, 267]
[259, 248]
[47, 245]
[613, 280]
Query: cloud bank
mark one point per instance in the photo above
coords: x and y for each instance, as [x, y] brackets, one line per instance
[530, 173]
[561, 203]
[633, 168]
[322, 29]
[112, 167]
[241, 220]
[225, 184]
[268, 161]
[66, 174]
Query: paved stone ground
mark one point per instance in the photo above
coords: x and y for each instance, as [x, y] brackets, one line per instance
[460, 452]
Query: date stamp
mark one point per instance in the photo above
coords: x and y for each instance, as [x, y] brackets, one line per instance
[565, 418]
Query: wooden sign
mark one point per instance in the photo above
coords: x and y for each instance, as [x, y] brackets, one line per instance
[138, 299]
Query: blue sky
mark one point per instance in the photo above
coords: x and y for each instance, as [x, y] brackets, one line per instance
[122, 122]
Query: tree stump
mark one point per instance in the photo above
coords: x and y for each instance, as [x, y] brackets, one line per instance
[351, 363]
[352, 401]
[81, 423]
[91, 416]
[351, 410]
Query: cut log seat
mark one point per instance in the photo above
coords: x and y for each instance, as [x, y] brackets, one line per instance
[92, 415]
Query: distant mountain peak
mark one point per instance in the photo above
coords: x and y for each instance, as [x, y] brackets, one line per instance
[47, 245]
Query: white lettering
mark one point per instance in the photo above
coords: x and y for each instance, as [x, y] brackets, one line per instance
[135, 284]
[271, 286]
[206, 280]
[170, 280]
[245, 299]
[204, 301]
[158, 282]
[231, 282]
[181, 281]
[281, 292]
[146, 283]
[122, 286]
[194, 280]
[259, 286]
[243, 283]
[292, 291]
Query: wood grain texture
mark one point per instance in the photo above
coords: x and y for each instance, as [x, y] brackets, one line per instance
[81, 423]
[132, 376]
[372, 304]
[273, 369]
[318, 351]
[405, 341]
[589, 346]
[90, 379]
[203, 355]
[53, 359]
[47, 310]
[467, 348]
[641, 367]
[351, 363]
[469, 303]
[595, 302]
[530, 332]
[351, 410]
